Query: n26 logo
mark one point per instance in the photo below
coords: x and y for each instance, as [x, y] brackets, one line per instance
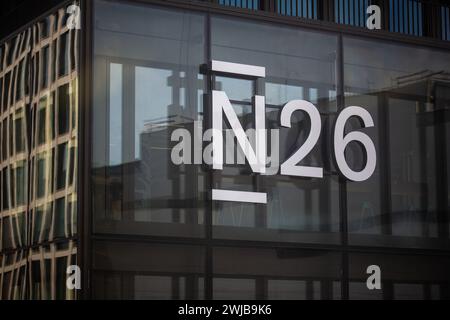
[253, 142]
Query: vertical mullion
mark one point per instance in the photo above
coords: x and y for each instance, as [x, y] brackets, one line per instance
[342, 182]
[209, 177]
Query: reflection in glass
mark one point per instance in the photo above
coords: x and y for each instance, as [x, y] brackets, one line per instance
[35, 164]
[406, 198]
[298, 209]
[291, 274]
[116, 114]
[148, 89]
[148, 81]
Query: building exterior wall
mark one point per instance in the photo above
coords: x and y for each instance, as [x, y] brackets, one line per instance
[142, 227]
[156, 232]
[39, 121]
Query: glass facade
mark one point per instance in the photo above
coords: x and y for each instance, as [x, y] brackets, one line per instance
[39, 130]
[157, 233]
[148, 227]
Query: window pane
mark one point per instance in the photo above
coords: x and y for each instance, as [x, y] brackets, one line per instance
[63, 55]
[42, 121]
[299, 65]
[41, 175]
[60, 218]
[21, 184]
[147, 271]
[19, 132]
[402, 203]
[45, 55]
[286, 273]
[147, 92]
[63, 109]
[61, 173]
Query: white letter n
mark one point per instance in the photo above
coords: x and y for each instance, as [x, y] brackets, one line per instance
[221, 104]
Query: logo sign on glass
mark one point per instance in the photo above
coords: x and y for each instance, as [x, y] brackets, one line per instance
[254, 146]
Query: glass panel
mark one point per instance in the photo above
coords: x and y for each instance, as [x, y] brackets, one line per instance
[275, 274]
[42, 121]
[7, 233]
[402, 276]
[301, 65]
[19, 131]
[61, 173]
[45, 56]
[61, 277]
[60, 218]
[148, 84]
[406, 200]
[33, 163]
[63, 109]
[64, 54]
[42, 175]
[36, 280]
[21, 184]
[147, 271]
[4, 140]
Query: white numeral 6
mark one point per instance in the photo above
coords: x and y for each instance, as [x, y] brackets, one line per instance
[341, 142]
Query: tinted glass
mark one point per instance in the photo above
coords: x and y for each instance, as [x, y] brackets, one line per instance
[299, 65]
[147, 83]
[406, 200]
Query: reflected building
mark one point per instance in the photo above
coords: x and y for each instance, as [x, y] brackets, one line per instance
[142, 227]
[39, 130]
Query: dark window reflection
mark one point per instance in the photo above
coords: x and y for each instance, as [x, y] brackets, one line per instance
[427, 279]
[289, 274]
[37, 230]
[149, 81]
[63, 109]
[298, 209]
[407, 197]
[148, 271]
[63, 55]
[147, 89]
